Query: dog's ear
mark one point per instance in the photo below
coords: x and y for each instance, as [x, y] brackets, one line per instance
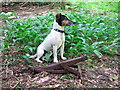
[58, 15]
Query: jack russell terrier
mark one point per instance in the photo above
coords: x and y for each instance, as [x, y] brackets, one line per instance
[55, 39]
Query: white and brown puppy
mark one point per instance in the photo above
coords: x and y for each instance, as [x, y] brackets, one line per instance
[55, 39]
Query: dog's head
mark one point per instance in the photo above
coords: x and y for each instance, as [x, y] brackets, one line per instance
[62, 20]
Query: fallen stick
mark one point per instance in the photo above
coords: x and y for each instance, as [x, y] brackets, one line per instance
[16, 84]
[61, 67]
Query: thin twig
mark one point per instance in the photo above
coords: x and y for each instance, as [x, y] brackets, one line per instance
[16, 84]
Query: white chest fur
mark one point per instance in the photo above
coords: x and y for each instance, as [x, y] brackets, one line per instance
[54, 38]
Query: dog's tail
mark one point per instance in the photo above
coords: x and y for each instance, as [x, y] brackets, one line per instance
[33, 56]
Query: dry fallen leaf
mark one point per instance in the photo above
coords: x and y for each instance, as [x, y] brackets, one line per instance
[42, 80]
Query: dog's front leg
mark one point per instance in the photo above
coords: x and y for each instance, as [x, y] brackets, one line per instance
[62, 51]
[55, 53]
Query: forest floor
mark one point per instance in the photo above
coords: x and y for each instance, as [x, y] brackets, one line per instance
[104, 74]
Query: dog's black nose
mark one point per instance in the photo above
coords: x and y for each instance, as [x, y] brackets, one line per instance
[74, 22]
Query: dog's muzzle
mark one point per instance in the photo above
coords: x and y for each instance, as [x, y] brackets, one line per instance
[71, 23]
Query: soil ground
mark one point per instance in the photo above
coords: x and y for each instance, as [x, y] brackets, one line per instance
[104, 73]
[29, 10]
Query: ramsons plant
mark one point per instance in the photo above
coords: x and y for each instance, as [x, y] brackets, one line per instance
[91, 35]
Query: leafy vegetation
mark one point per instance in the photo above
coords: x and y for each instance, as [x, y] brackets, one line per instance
[8, 16]
[91, 34]
[99, 8]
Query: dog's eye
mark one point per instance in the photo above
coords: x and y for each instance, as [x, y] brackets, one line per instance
[66, 18]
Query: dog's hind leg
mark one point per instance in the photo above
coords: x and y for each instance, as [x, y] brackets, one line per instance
[39, 55]
[33, 56]
[50, 54]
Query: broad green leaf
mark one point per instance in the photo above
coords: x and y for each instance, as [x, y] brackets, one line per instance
[47, 56]
[98, 53]
[97, 44]
[66, 76]
[27, 58]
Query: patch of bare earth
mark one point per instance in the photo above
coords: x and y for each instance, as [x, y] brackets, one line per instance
[18, 74]
[29, 10]
[105, 73]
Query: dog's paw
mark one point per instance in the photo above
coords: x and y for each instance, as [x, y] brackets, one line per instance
[38, 60]
[55, 61]
[43, 59]
[64, 58]
[27, 54]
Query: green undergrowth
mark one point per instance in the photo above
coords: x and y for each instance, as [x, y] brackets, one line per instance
[99, 8]
[90, 35]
